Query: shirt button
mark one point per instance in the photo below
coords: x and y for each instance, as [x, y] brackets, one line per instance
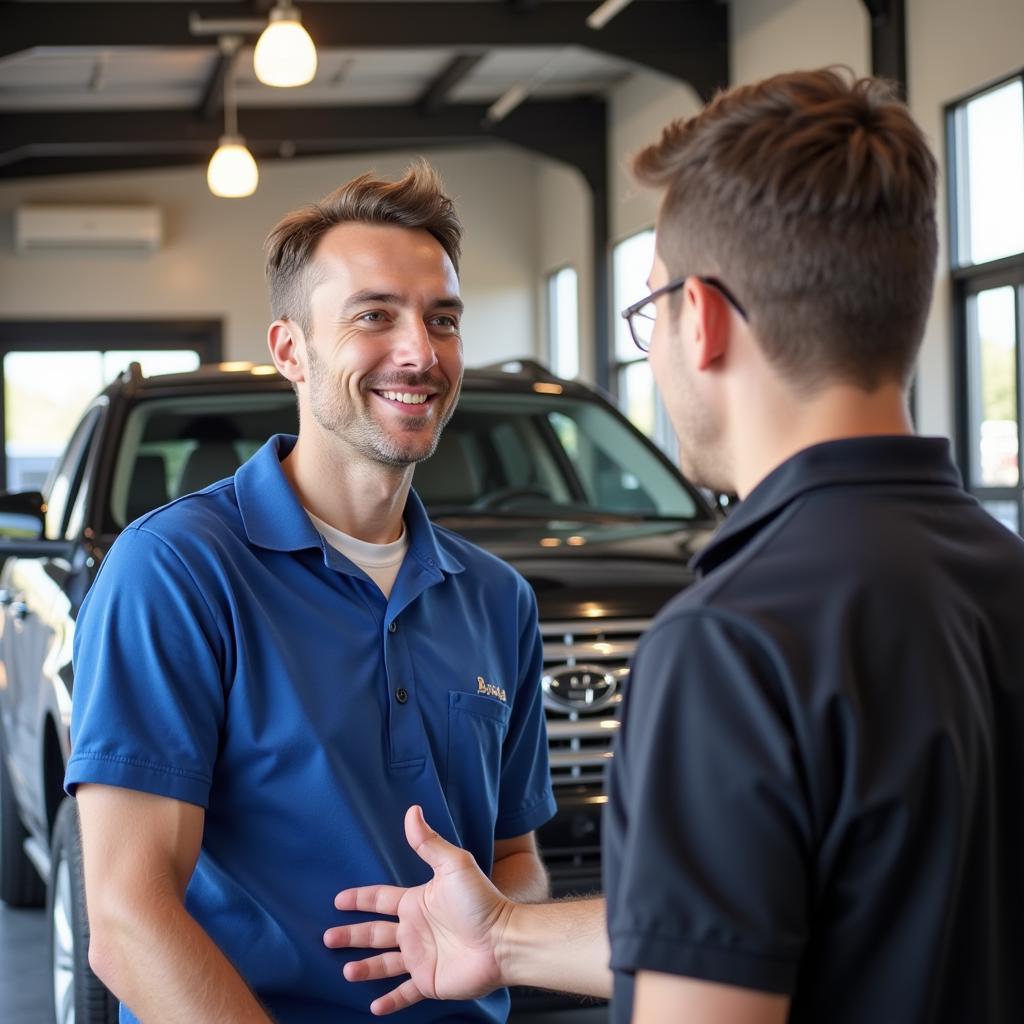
[392, 626]
[402, 695]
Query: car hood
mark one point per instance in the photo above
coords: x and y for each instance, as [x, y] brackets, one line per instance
[583, 569]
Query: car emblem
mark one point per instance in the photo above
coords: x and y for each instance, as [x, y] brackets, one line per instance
[579, 687]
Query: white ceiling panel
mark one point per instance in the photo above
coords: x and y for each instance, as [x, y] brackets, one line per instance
[547, 71]
[347, 77]
[82, 78]
[132, 78]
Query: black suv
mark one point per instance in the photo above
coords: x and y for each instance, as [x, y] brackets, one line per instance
[543, 472]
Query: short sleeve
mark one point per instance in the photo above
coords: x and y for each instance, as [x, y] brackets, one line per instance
[148, 700]
[708, 837]
[525, 797]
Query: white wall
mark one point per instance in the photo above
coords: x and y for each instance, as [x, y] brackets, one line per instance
[637, 111]
[770, 36]
[211, 265]
[564, 239]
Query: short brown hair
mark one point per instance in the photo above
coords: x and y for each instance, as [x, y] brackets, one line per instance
[812, 196]
[415, 201]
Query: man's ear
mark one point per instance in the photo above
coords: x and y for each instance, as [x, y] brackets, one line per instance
[288, 349]
[711, 322]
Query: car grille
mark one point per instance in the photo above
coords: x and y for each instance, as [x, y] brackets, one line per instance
[586, 665]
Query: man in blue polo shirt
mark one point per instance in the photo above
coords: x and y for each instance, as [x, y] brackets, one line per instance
[269, 671]
[816, 807]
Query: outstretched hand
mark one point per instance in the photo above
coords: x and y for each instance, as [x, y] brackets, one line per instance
[447, 932]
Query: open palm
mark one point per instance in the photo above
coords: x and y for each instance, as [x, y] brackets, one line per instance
[447, 929]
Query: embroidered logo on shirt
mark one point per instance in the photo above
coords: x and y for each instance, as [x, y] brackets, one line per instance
[490, 690]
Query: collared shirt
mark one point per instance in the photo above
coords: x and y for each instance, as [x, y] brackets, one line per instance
[819, 781]
[226, 656]
[380, 562]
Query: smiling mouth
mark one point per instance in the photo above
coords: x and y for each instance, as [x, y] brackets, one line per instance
[405, 397]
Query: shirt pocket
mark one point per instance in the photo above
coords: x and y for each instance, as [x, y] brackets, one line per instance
[477, 726]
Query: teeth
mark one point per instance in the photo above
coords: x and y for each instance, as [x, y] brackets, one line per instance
[404, 396]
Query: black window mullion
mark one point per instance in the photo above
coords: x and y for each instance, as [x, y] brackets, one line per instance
[968, 280]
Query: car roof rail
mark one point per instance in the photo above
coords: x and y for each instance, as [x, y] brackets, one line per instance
[132, 376]
[525, 369]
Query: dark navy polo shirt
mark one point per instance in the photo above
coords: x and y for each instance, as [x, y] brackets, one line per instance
[226, 656]
[819, 781]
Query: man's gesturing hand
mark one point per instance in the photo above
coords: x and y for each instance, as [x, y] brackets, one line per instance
[447, 931]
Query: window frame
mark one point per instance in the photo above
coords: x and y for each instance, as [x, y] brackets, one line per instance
[617, 364]
[966, 283]
[204, 337]
[663, 435]
[550, 310]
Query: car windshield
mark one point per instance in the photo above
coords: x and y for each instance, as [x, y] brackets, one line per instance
[174, 445]
[548, 455]
[522, 455]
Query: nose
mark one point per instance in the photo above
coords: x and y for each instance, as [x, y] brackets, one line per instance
[414, 348]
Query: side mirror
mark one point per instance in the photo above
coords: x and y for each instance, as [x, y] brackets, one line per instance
[22, 516]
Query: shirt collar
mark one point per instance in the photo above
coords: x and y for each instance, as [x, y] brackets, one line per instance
[274, 518]
[851, 461]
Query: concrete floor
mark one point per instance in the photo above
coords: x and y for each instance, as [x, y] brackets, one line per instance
[24, 976]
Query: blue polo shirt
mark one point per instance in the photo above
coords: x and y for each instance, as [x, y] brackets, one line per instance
[227, 657]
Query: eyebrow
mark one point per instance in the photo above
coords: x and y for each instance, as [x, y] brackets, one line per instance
[393, 299]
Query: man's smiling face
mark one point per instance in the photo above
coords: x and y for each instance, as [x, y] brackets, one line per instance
[384, 351]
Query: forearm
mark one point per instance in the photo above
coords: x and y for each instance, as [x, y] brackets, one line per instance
[522, 878]
[562, 946]
[157, 960]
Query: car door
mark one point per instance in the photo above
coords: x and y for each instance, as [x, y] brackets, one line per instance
[33, 631]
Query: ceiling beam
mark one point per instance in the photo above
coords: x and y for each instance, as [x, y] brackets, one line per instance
[130, 133]
[889, 41]
[686, 39]
[86, 140]
[436, 94]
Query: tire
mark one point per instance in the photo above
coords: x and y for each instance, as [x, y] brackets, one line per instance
[20, 884]
[79, 997]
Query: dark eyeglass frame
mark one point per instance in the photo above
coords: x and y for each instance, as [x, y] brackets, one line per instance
[631, 311]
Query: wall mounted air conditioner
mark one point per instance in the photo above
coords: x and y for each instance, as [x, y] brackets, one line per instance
[66, 226]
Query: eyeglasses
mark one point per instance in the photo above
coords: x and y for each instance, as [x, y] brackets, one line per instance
[641, 315]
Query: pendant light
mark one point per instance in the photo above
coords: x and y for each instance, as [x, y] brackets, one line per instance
[232, 173]
[285, 55]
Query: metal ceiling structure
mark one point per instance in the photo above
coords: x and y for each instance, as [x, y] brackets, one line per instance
[104, 86]
[75, 71]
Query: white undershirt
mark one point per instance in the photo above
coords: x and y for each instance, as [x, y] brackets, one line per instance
[380, 562]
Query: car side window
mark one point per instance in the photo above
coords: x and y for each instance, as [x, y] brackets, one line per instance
[66, 480]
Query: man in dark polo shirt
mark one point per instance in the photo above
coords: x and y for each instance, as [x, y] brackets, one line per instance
[817, 802]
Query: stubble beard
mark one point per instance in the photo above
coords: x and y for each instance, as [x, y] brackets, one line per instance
[702, 455]
[335, 412]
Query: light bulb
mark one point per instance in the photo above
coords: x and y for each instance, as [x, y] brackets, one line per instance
[285, 55]
[232, 173]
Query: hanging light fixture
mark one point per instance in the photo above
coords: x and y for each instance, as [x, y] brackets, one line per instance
[285, 55]
[232, 173]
